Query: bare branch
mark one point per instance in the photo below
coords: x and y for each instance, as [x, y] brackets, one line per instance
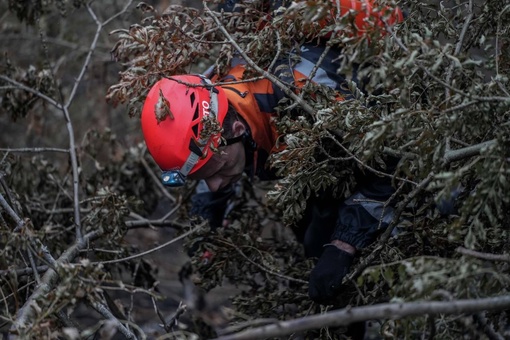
[497, 54]
[384, 311]
[33, 265]
[31, 90]
[449, 156]
[484, 256]
[19, 222]
[49, 280]
[168, 325]
[24, 271]
[155, 223]
[35, 150]
[105, 312]
[458, 47]
[156, 180]
[470, 151]
[65, 109]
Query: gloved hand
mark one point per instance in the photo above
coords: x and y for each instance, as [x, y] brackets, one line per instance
[326, 278]
[211, 206]
[448, 204]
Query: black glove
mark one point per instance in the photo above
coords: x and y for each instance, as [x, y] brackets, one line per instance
[211, 206]
[448, 204]
[326, 278]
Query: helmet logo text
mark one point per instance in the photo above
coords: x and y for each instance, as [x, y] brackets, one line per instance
[206, 108]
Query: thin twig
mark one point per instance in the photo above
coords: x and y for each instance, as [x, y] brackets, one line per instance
[173, 320]
[278, 51]
[54, 41]
[23, 271]
[484, 256]
[150, 251]
[105, 312]
[34, 267]
[31, 90]
[19, 222]
[267, 270]
[309, 78]
[34, 150]
[368, 167]
[497, 48]
[15, 291]
[156, 180]
[458, 47]
[459, 107]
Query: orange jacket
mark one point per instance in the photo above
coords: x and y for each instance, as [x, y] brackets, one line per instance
[255, 101]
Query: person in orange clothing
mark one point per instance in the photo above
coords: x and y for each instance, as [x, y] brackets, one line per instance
[178, 123]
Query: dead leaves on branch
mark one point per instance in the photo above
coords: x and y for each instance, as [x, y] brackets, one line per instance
[163, 45]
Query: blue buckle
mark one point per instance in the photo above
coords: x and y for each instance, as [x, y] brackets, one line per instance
[173, 178]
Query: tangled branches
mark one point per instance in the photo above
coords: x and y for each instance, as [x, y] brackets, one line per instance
[431, 92]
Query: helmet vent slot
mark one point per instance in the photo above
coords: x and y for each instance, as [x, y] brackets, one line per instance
[192, 99]
[196, 114]
[195, 130]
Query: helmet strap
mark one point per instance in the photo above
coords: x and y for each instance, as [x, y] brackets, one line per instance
[177, 177]
[194, 155]
[233, 140]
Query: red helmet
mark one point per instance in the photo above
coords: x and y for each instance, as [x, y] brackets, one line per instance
[173, 139]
